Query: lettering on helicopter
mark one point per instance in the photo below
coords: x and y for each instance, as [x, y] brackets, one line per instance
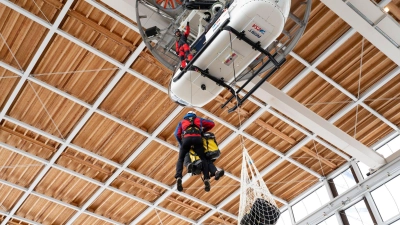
[256, 30]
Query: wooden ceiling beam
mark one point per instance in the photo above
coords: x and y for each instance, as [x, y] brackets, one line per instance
[275, 131]
[56, 4]
[27, 138]
[322, 159]
[86, 163]
[393, 9]
[141, 186]
[241, 111]
[190, 207]
[220, 220]
[101, 29]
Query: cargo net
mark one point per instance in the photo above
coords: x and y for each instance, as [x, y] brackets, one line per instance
[257, 207]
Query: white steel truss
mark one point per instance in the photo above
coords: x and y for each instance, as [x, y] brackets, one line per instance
[363, 97]
[132, 72]
[317, 124]
[333, 119]
[353, 195]
[372, 23]
[152, 137]
[52, 29]
[124, 123]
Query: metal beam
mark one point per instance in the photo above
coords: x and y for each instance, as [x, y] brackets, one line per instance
[140, 76]
[112, 14]
[298, 112]
[365, 95]
[18, 87]
[267, 108]
[151, 136]
[137, 152]
[374, 15]
[125, 165]
[353, 195]
[359, 178]
[73, 173]
[36, 57]
[113, 61]
[333, 119]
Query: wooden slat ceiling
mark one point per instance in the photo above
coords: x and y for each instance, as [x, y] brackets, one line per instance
[82, 143]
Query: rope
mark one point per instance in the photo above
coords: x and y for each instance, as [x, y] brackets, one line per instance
[305, 157]
[41, 11]
[238, 185]
[359, 86]
[191, 90]
[343, 102]
[45, 109]
[7, 77]
[236, 95]
[20, 166]
[11, 52]
[158, 216]
[327, 103]
[73, 71]
[319, 159]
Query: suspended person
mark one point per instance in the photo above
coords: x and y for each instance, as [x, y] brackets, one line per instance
[194, 166]
[182, 47]
[188, 134]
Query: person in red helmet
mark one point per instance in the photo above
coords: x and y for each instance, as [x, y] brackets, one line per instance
[181, 46]
[188, 134]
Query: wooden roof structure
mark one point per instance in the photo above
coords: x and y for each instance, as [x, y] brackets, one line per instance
[86, 124]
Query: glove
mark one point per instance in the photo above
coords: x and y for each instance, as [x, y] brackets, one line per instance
[177, 53]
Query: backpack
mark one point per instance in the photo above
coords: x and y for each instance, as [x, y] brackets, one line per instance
[192, 128]
[194, 159]
[211, 146]
[261, 213]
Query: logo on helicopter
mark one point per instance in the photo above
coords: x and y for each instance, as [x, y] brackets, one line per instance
[256, 30]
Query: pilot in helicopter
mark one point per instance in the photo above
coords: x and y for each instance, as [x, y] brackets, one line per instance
[182, 47]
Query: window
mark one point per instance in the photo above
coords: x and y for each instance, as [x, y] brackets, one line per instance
[387, 199]
[310, 203]
[389, 148]
[344, 181]
[358, 214]
[330, 221]
[363, 168]
[396, 223]
[284, 219]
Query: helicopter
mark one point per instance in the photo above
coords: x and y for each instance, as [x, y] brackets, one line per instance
[231, 41]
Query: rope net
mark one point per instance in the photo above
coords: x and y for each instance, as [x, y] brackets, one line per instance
[257, 207]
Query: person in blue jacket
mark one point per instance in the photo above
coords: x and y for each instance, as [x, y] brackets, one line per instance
[188, 134]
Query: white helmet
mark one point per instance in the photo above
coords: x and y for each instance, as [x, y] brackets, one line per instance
[191, 112]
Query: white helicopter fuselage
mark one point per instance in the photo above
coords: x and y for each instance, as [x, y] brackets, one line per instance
[226, 56]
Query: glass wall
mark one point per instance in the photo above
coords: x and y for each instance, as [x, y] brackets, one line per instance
[383, 207]
[310, 203]
[358, 214]
[344, 181]
[389, 148]
[284, 219]
[387, 198]
[396, 223]
[330, 221]
[363, 168]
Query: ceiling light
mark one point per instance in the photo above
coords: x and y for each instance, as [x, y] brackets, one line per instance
[386, 9]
